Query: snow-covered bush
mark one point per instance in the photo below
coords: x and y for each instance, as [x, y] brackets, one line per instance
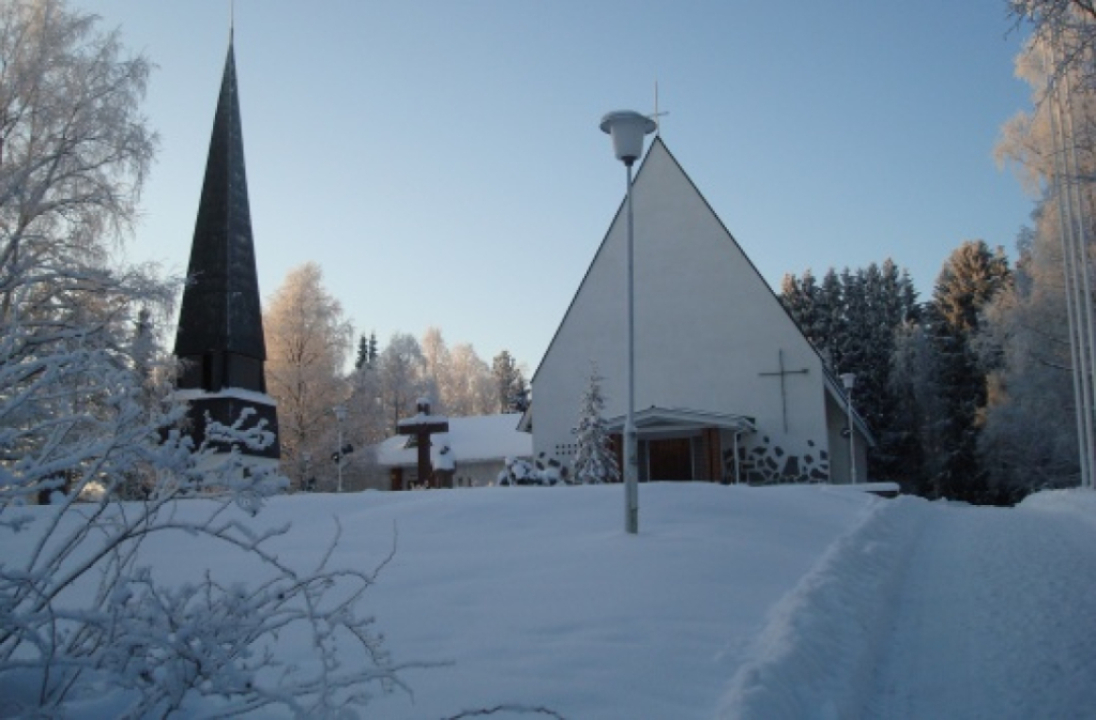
[82, 617]
[517, 471]
[521, 471]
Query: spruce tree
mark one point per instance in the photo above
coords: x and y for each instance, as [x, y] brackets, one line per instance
[373, 352]
[970, 278]
[595, 461]
[800, 297]
[509, 383]
[831, 318]
[852, 319]
[362, 358]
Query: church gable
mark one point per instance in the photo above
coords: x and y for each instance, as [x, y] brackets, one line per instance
[710, 334]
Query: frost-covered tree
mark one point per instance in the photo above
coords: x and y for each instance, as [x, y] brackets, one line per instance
[1029, 439]
[461, 379]
[471, 389]
[437, 368]
[86, 414]
[595, 461]
[308, 342]
[1071, 26]
[74, 153]
[917, 407]
[365, 425]
[401, 379]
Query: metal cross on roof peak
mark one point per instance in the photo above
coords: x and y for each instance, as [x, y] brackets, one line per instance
[656, 114]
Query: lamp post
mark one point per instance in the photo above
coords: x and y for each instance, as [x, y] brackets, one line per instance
[340, 415]
[627, 129]
[849, 380]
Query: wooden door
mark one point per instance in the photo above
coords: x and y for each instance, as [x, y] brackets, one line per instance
[670, 459]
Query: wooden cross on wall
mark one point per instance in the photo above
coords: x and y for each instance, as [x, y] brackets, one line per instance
[422, 426]
[782, 373]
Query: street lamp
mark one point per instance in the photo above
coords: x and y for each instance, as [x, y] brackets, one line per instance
[340, 415]
[306, 480]
[849, 380]
[627, 129]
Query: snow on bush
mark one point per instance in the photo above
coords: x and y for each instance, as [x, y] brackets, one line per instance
[84, 620]
[520, 471]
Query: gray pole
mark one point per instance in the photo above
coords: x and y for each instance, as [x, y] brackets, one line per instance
[631, 459]
[627, 129]
[1073, 297]
[852, 436]
[1081, 268]
[340, 414]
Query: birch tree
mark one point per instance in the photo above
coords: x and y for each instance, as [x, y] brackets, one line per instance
[401, 378]
[1030, 437]
[74, 152]
[308, 344]
[86, 403]
[471, 386]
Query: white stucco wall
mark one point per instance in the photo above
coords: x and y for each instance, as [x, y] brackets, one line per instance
[707, 325]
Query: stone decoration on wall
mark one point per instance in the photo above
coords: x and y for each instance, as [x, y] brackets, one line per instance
[769, 464]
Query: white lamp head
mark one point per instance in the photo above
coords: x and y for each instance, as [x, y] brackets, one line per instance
[848, 380]
[627, 128]
[340, 412]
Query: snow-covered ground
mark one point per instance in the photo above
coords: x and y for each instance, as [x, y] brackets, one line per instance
[732, 602]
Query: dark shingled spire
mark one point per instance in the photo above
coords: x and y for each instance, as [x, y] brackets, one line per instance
[220, 334]
[221, 310]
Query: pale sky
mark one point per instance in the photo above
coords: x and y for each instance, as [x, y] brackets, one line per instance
[442, 162]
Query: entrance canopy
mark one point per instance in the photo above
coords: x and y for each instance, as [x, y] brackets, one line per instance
[658, 420]
[686, 444]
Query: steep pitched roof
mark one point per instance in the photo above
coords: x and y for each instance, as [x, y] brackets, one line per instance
[658, 148]
[221, 309]
[660, 166]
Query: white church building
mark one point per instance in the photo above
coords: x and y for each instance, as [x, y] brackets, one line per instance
[727, 387]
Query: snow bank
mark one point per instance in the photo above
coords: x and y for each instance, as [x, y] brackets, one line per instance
[816, 656]
[538, 597]
[1076, 501]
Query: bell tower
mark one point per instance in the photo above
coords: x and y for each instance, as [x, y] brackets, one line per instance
[220, 333]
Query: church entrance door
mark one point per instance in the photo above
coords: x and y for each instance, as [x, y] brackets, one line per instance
[670, 459]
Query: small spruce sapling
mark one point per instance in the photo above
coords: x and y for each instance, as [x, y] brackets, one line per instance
[595, 461]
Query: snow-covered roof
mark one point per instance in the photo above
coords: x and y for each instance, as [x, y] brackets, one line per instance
[470, 439]
[421, 419]
[191, 394]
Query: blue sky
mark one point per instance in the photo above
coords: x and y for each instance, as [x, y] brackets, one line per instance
[441, 161]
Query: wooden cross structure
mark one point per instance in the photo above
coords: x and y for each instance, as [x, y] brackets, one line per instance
[422, 426]
[782, 373]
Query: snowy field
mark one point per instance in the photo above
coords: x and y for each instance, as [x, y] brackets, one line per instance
[732, 602]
